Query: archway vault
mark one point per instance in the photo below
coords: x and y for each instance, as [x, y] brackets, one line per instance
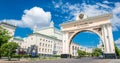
[96, 31]
[99, 25]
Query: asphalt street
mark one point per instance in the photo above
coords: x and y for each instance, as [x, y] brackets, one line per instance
[82, 60]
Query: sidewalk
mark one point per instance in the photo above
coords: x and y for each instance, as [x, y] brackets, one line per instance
[14, 60]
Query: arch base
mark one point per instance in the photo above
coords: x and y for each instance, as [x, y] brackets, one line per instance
[109, 55]
[65, 55]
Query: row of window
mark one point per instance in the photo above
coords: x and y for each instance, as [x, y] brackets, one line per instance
[58, 43]
[57, 47]
[75, 48]
[45, 45]
[59, 52]
[45, 50]
[74, 54]
[44, 40]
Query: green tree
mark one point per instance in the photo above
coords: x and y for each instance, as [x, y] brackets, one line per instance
[8, 49]
[81, 53]
[97, 52]
[4, 37]
[88, 54]
[117, 51]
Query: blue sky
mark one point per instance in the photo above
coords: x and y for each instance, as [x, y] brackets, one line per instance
[28, 13]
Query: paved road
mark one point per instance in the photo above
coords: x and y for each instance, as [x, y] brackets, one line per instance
[82, 60]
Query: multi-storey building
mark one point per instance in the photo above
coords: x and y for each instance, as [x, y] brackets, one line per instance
[75, 47]
[48, 40]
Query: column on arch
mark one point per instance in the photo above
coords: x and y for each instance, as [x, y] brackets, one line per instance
[110, 38]
[65, 43]
[105, 39]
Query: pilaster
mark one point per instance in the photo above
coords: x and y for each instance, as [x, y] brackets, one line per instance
[65, 43]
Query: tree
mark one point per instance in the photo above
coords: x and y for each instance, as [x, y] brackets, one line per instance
[8, 49]
[4, 37]
[81, 53]
[97, 52]
[117, 51]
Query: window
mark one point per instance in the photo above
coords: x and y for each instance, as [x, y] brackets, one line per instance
[45, 50]
[40, 44]
[51, 41]
[43, 39]
[40, 39]
[48, 50]
[72, 47]
[39, 49]
[43, 44]
[75, 48]
[42, 49]
[48, 45]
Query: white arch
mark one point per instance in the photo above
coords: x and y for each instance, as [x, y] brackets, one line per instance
[90, 24]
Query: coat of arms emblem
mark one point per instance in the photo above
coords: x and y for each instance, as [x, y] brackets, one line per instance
[81, 16]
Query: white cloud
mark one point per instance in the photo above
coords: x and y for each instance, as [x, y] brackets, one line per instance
[18, 37]
[117, 41]
[103, 5]
[106, 2]
[34, 16]
[94, 10]
[116, 10]
[57, 5]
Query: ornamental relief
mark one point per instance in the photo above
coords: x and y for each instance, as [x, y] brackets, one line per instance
[70, 34]
[98, 30]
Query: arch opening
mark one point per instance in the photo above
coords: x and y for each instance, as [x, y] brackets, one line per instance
[86, 40]
[87, 32]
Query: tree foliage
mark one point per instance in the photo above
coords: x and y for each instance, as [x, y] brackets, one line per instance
[10, 46]
[81, 53]
[117, 51]
[97, 52]
[4, 36]
[8, 49]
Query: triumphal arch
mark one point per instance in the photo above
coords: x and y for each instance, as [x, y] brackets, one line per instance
[98, 24]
